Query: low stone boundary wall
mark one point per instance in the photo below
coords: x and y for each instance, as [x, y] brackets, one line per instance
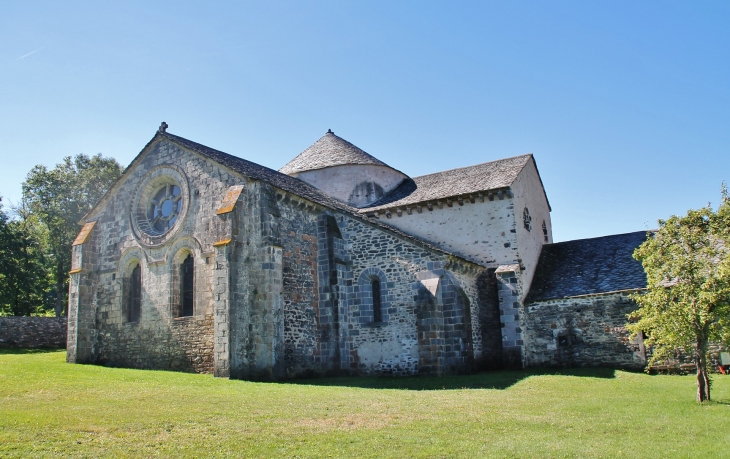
[32, 332]
[682, 362]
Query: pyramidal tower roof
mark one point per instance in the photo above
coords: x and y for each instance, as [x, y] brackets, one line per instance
[329, 151]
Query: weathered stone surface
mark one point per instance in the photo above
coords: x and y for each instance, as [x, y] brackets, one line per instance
[33, 332]
[586, 331]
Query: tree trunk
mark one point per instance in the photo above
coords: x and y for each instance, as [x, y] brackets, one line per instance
[703, 379]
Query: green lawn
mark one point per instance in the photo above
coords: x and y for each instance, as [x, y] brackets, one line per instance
[50, 408]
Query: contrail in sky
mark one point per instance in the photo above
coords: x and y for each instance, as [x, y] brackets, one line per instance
[32, 52]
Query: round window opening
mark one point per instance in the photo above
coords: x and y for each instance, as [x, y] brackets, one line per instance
[165, 207]
[159, 205]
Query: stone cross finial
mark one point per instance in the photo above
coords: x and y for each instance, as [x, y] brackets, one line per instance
[163, 127]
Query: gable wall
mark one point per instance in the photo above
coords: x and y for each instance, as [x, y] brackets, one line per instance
[158, 340]
[529, 193]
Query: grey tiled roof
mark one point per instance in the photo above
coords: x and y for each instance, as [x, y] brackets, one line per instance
[588, 266]
[329, 151]
[473, 179]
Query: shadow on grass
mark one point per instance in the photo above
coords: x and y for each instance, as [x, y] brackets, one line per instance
[487, 380]
[40, 350]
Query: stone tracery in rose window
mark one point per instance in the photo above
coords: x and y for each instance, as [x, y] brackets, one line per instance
[165, 207]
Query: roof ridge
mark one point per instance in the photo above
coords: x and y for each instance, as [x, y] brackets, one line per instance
[552, 244]
[473, 165]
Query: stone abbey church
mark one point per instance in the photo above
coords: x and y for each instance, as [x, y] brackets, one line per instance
[198, 260]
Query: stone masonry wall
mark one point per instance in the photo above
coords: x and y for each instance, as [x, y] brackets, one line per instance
[512, 320]
[184, 345]
[304, 332]
[586, 331]
[273, 266]
[326, 316]
[33, 332]
[423, 331]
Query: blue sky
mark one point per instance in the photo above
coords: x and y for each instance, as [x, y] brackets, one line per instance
[625, 105]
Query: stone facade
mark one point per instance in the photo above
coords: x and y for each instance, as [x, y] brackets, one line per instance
[33, 332]
[200, 261]
[282, 285]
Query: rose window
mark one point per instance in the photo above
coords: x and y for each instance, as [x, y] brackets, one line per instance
[160, 205]
[165, 207]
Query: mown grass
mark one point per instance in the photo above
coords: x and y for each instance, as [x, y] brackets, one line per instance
[50, 408]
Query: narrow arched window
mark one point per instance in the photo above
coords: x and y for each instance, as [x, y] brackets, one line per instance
[187, 287]
[377, 308]
[135, 295]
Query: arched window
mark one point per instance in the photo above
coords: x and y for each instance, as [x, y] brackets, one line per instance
[187, 288]
[527, 219]
[373, 298]
[134, 294]
[377, 306]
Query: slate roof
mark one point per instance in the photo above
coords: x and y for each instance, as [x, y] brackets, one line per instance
[329, 151]
[588, 266]
[473, 179]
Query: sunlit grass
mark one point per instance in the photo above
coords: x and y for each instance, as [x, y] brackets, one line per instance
[50, 408]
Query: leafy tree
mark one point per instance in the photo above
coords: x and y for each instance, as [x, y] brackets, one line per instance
[687, 301]
[24, 278]
[59, 198]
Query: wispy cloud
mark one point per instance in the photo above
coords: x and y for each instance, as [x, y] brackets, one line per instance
[32, 52]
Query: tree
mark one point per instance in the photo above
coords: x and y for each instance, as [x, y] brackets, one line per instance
[687, 302]
[24, 278]
[59, 198]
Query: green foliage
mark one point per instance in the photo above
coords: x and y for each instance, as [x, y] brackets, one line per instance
[687, 301]
[52, 409]
[24, 277]
[59, 198]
